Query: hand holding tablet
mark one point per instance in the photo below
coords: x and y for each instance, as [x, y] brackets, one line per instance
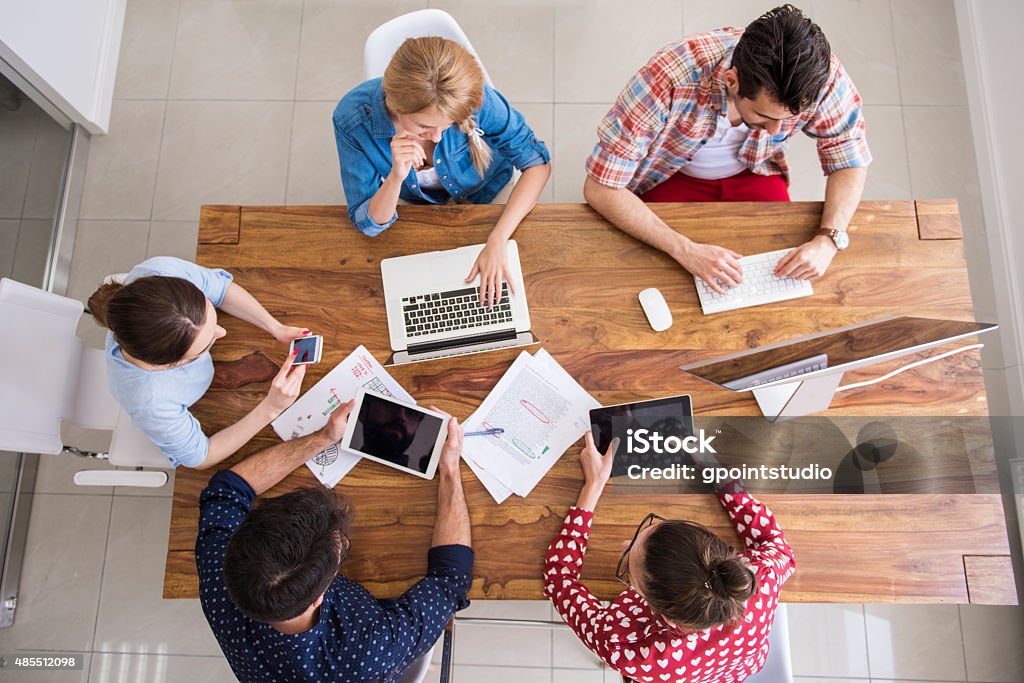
[396, 434]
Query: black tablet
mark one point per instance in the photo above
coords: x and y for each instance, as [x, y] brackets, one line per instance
[672, 416]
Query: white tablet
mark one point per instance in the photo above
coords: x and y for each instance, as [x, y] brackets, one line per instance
[395, 433]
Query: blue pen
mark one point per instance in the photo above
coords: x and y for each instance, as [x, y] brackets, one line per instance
[486, 432]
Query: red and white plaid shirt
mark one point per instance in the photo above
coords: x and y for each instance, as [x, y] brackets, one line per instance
[672, 105]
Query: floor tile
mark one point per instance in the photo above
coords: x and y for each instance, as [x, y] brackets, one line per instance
[229, 50]
[707, 15]
[8, 244]
[928, 52]
[815, 679]
[807, 180]
[888, 177]
[75, 676]
[133, 616]
[526, 610]
[17, 140]
[569, 652]
[585, 69]
[333, 35]
[158, 668]
[574, 138]
[612, 676]
[56, 473]
[121, 173]
[147, 45]
[861, 36]
[221, 153]
[501, 674]
[49, 158]
[35, 237]
[313, 175]
[948, 170]
[827, 640]
[60, 579]
[540, 117]
[102, 248]
[915, 641]
[518, 51]
[992, 643]
[525, 646]
[173, 238]
[577, 675]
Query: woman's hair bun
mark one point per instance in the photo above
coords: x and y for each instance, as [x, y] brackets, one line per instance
[731, 580]
[97, 304]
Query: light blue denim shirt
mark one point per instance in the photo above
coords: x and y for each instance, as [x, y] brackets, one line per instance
[363, 131]
[158, 400]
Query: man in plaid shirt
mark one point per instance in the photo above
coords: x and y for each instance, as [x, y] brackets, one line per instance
[709, 118]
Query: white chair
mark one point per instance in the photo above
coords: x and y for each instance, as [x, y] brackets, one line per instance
[381, 45]
[49, 376]
[778, 668]
[386, 38]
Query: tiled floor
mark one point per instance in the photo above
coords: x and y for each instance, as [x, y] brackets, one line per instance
[228, 102]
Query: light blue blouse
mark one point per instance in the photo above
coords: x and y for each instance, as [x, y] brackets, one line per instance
[158, 400]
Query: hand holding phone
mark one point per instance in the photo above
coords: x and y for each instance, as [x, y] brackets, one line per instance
[309, 349]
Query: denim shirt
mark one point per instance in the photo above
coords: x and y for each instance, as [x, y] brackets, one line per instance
[363, 131]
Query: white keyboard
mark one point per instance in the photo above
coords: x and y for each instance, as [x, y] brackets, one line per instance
[760, 285]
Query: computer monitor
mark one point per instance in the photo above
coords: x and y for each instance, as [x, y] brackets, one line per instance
[800, 377]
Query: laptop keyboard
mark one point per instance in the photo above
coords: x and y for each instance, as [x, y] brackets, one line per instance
[458, 309]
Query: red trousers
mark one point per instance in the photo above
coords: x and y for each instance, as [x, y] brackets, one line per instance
[742, 187]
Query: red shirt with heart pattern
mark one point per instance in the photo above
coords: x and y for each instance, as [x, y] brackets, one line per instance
[630, 637]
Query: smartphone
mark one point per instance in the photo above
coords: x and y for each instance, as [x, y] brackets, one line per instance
[309, 349]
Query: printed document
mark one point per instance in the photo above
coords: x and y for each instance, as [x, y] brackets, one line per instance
[339, 386]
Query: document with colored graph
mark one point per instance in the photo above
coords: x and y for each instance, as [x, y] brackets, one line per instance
[310, 412]
[543, 411]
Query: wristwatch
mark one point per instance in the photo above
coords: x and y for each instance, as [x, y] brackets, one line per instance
[839, 237]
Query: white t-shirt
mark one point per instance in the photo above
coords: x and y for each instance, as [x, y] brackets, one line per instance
[717, 158]
[428, 180]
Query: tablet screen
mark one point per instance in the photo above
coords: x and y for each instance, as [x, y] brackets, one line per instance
[671, 416]
[396, 433]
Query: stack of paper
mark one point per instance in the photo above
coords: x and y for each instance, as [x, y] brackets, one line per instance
[543, 411]
[339, 386]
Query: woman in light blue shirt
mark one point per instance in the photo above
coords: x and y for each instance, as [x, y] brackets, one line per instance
[432, 131]
[163, 321]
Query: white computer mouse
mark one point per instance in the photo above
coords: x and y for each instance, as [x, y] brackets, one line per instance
[656, 309]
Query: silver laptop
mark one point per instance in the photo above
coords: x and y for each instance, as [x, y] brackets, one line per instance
[433, 313]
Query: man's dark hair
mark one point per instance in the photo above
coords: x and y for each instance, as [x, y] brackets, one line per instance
[693, 577]
[785, 54]
[286, 553]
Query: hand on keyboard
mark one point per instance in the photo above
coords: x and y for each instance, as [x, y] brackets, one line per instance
[717, 266]
[809, 261]
[492, 267]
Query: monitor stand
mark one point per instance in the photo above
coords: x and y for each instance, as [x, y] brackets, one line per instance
[796, 399]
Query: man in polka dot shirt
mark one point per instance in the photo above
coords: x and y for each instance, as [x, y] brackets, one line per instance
[269, 582]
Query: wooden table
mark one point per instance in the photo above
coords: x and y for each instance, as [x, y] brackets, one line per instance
[309, 267]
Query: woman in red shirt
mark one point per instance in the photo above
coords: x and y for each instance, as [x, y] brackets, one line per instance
[695, 610]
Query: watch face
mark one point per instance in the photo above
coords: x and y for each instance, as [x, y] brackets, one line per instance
[842, 240]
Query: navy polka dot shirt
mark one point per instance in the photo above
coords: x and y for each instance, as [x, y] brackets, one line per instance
[357, 638]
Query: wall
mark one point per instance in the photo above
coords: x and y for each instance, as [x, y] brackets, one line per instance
[67, 50]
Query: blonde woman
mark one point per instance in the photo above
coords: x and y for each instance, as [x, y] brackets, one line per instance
[432, 131]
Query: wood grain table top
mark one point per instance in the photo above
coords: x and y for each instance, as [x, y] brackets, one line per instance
[310, 267]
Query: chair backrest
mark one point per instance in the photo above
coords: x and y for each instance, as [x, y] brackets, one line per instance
[386, 38]
[41, 363]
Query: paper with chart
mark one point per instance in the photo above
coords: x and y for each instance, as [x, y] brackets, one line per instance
[543, 411]
[310, 412]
